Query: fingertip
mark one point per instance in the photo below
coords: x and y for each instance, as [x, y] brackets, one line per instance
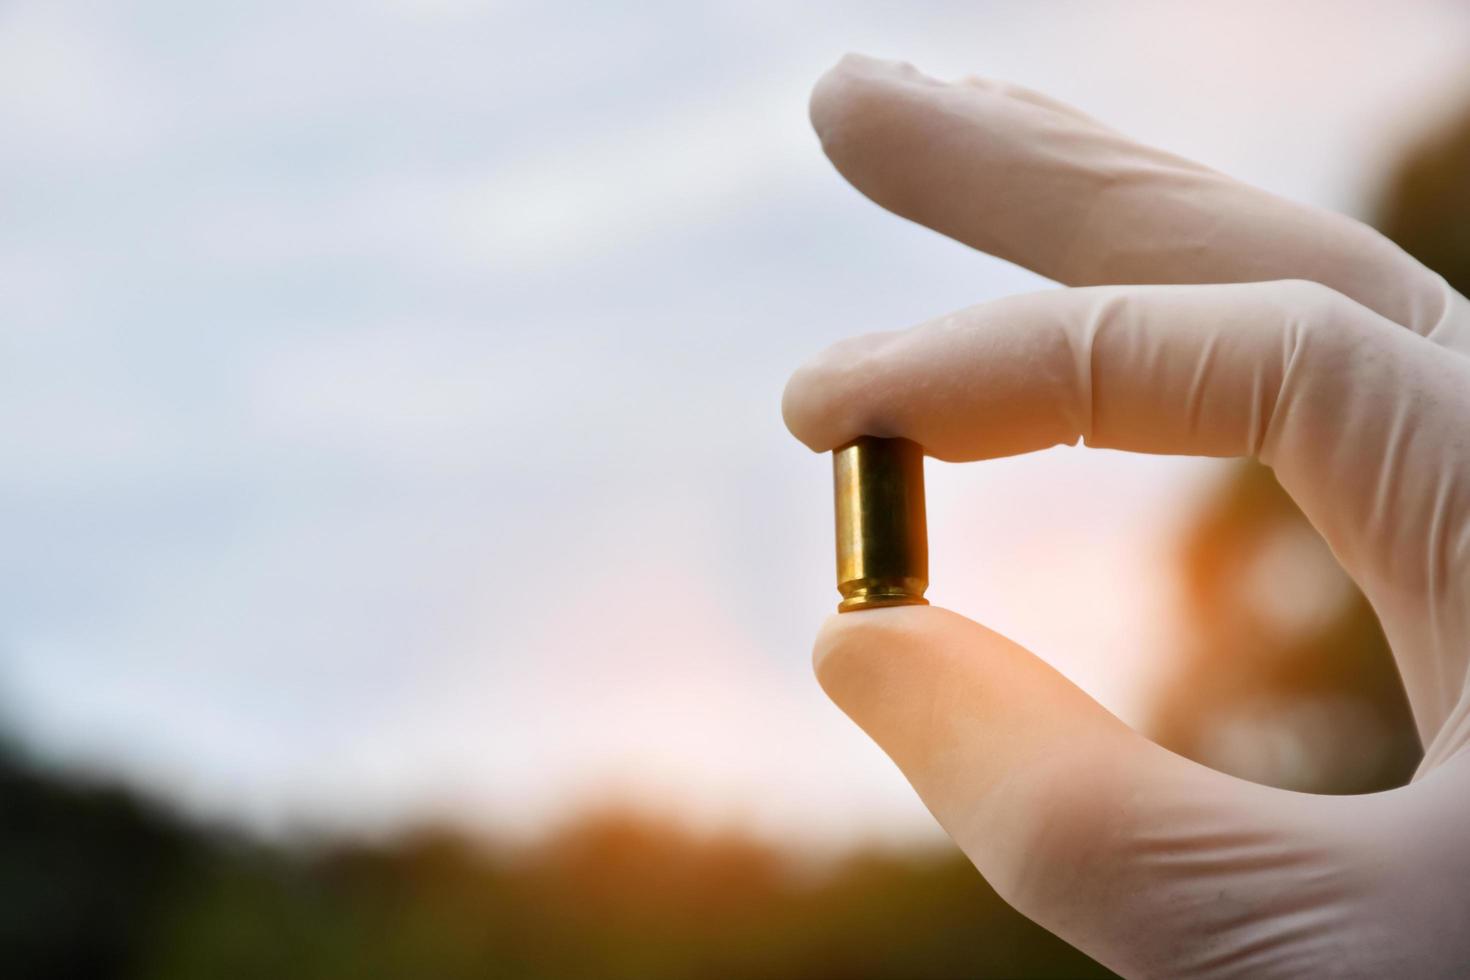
[839, 394]
[798, 410]
[853, 647]
[851, 92]
[812, 404]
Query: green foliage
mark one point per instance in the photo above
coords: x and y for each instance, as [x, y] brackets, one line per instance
[94, 883]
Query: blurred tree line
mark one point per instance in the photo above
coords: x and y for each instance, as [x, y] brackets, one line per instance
[1288, 682]
[97, 883]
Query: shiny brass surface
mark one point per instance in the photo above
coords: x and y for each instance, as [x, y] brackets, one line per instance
[882, 542]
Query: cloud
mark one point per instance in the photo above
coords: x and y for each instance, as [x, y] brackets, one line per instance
[70, 92]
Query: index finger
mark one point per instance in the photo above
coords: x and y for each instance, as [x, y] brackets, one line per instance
[1022, 177]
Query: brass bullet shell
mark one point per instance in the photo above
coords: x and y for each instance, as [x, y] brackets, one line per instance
[882, 542]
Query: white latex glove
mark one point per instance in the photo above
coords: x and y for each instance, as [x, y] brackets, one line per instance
[1277, 331]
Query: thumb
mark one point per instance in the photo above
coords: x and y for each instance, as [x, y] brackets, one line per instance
[988, 734]
[1146, 861]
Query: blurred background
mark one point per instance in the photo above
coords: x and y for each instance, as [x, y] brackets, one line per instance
[390, 405]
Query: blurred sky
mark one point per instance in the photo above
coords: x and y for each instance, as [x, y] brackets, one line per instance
[389, 391]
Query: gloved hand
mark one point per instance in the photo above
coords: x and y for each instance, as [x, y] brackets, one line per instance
[1272, 330]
